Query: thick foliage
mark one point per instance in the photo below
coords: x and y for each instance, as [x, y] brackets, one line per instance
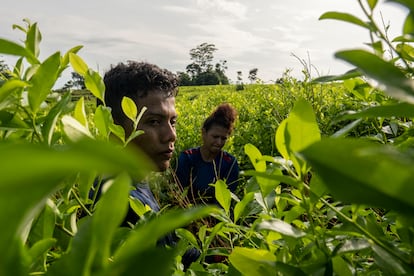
[329, 192]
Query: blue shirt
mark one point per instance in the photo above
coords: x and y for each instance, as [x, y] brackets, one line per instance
[192, 171]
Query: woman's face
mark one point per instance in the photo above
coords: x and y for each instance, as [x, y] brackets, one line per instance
[215, 138]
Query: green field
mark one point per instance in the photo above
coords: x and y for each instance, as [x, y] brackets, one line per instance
[327, 172]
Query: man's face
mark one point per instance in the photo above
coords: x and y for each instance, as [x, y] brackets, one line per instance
[158, 124]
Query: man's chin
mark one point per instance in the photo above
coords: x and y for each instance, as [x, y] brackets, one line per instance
[163, 166]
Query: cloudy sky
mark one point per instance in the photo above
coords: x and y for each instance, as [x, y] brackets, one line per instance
[263, 34]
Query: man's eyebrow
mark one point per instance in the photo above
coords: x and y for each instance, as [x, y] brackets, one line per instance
[157, 114]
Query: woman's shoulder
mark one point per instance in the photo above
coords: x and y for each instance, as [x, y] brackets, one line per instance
[191, 151]
[228, 157]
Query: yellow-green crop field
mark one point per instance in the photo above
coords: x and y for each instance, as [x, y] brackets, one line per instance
[260, 110]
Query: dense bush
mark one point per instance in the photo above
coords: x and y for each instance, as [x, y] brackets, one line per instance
[327, 193]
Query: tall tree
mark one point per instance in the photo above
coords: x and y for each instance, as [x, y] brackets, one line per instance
[203, 56]
[77, 82]
[4, 70]
[253, 75]
[202, 71]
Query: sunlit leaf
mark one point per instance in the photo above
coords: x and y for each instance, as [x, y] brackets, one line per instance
[253, 261]
[392, 79]
[241, 205]
[386, 111]
[361, 172]
[281, 227]
[48, 128]
[188, 236]
[43, 81]
[345, 17]
[222, 194]
[348, 75]
[146, 235]
[129, 107]
[33, 39]
[79, 113]
[95, 84]
[9, 87]
[407, 3]
[408, 27]
[11, 48]
[372, 4]
[110, 211]
[78, 64]
[102, 119]
[38, 183]
[139, 208]
[74, 129]
[255, 157]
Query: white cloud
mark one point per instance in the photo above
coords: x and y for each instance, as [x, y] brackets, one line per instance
[248, 34]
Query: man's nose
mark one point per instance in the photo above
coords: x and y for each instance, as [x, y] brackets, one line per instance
[170, 134]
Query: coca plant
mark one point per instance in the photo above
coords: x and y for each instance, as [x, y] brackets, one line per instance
[51, 152]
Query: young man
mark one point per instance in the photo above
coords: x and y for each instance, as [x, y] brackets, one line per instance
[154, 88]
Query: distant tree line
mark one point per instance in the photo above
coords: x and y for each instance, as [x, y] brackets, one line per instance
[201, 71]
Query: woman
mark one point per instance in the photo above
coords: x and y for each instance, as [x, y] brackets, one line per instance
[202, 166]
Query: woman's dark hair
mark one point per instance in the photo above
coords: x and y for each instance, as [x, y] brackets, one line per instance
[224, 115]
[135, 80]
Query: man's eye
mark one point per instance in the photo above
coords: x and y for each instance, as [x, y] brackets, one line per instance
[154, 122]
[173, 122]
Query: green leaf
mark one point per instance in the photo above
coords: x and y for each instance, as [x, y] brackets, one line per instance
[408, 27]
[33, 39]
[385, 111]
[78, 64]
[65, 59]
[95, 84]
[153, 261]
[360, 172]
[103, 119]
[74, 50]
[79, 113]
[129, 108]
[354, 73]
[146, 235]
[297, 132]
[44, 170]
[223, 195]
[139, 208]
[406, 51]
[40, 248]
[11, 48]
[184, 234]
[301, 129]
[407, 3]
[372, 4]
[256, 157]
[48, 128]
[241, 205]
[10, 86]
[251, 261]
[43, 81]
[281, 227]
[85, 182]
[346, 17]
[73, 129]
[110, 211]
[393, 79]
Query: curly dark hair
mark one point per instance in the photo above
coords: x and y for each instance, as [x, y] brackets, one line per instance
[224, 115]
[135, 80]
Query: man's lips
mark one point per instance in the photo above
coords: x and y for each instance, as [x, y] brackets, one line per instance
[167, 154]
